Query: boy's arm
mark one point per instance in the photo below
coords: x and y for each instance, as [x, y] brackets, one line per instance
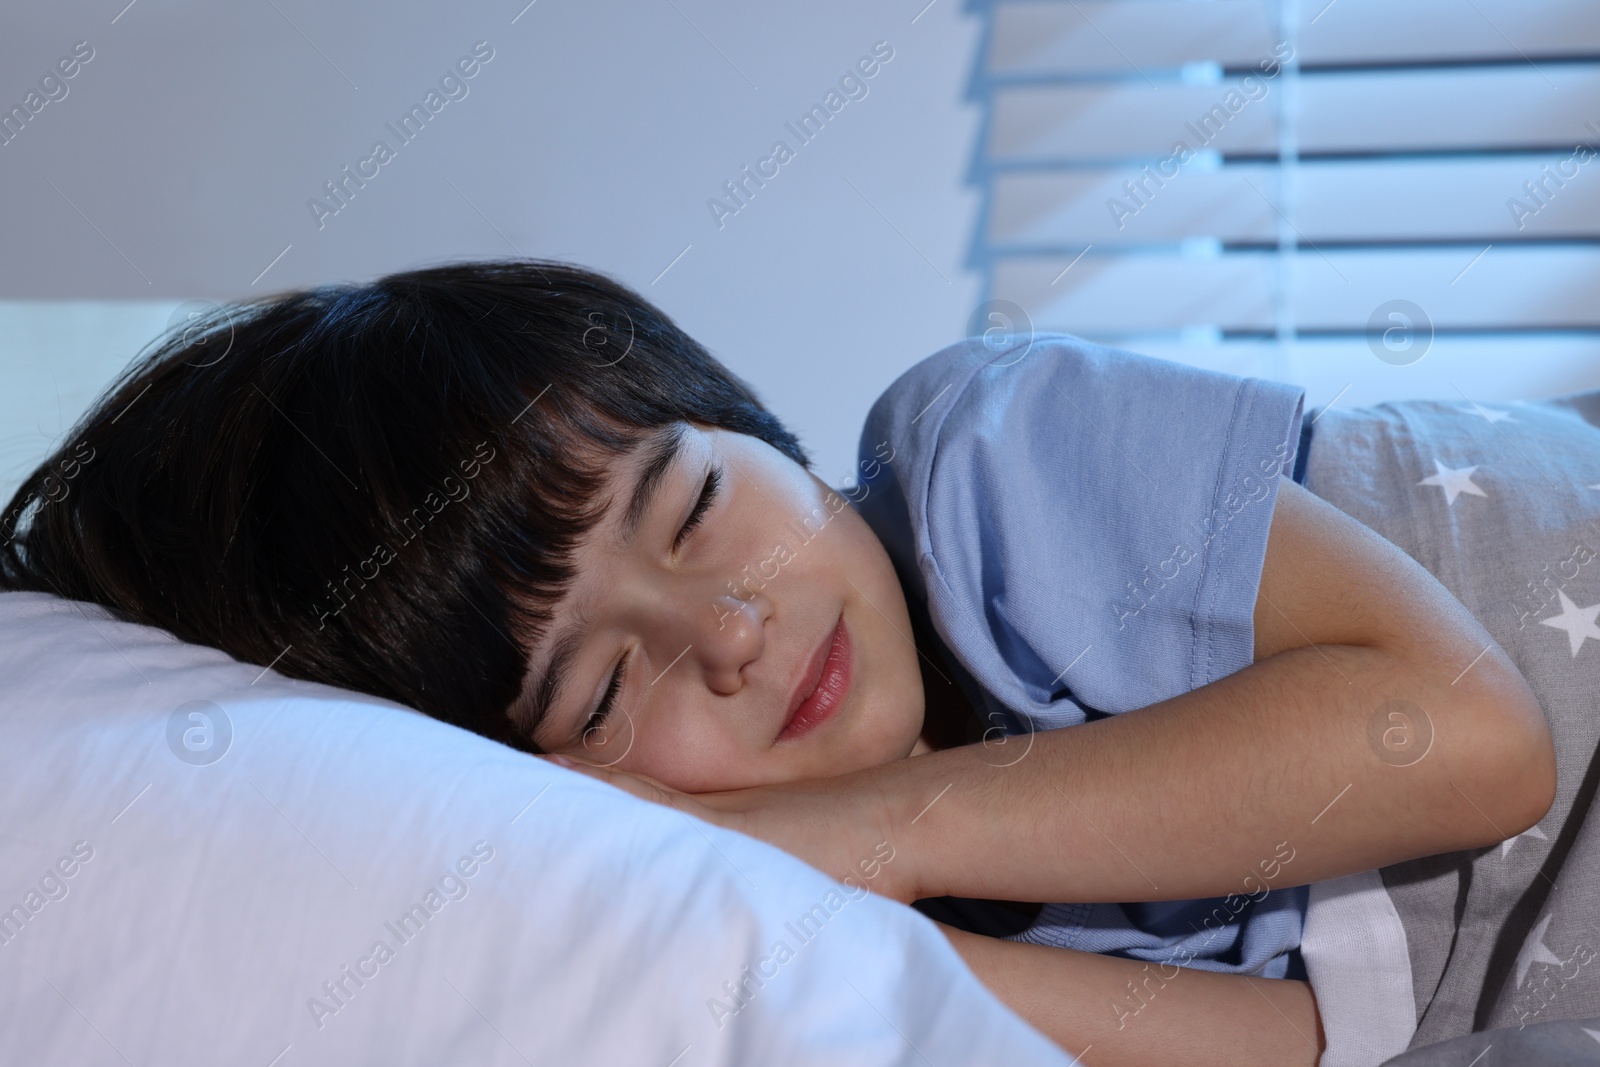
[1189, 797]
[1123, 1012]
[1194, 796]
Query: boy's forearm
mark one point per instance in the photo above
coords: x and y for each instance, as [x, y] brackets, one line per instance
[1136, 1013]
[1196, 796]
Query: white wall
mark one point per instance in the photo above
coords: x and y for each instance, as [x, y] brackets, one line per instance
[180, 162]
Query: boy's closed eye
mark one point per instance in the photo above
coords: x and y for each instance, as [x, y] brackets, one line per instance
[616, 679]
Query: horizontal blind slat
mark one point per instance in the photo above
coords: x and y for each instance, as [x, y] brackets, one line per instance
[1483, 198]
[1386, 31]
[1087, 38]
[1124, 38]
[1368, 111]
[1457, 369]
[1508, 288]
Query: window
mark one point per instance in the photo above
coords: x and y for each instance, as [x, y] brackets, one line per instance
[1372, 198]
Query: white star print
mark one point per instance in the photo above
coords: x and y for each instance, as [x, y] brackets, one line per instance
[1532, 831]
[1578, 622]
[1453, 481]
[1592, 1033]
[1534, 950]
[1489, 413]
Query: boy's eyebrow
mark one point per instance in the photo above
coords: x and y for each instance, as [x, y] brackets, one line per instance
[661, 453]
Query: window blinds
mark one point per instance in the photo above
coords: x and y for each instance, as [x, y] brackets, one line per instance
[1293, 187]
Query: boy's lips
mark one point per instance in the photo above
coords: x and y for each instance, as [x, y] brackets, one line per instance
[821, 690]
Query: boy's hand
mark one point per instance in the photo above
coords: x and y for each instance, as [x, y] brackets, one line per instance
[841, 826]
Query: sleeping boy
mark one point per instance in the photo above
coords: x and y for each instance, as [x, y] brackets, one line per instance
[1075, 635]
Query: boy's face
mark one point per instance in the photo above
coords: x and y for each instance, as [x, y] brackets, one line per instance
[723, 635]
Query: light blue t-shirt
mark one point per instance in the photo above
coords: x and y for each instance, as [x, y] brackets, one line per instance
[1084, 528]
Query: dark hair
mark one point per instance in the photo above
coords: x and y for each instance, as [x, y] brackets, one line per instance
[374, 486]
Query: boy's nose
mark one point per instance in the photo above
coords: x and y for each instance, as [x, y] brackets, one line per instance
[728, 636]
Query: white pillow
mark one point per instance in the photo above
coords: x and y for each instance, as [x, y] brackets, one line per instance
[196, 855]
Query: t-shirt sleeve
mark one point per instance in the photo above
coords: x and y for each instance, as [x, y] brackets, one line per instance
[1088, 524]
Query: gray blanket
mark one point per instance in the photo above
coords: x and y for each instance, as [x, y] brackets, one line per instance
[1501, 503]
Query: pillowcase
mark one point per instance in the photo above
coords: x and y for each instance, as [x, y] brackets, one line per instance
[207, 862]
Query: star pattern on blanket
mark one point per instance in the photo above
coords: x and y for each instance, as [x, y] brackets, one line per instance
[1489, 413]
[1532, 831]
[1454, 481]
[1592, 1033]
[1534, 950]
[1579, 623]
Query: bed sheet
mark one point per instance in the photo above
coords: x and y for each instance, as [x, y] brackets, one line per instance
[1500, 502]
